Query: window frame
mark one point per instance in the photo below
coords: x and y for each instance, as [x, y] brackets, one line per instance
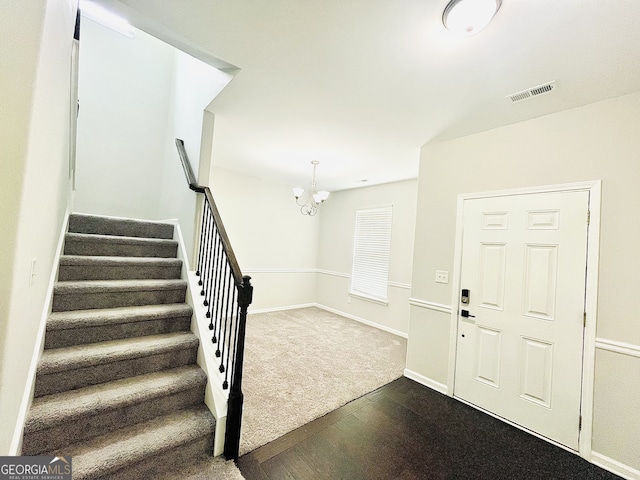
[371, 260]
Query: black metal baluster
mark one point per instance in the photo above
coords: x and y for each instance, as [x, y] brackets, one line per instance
[226, 346]
[207, 258]
[219, 278]
[205, 253]
[210, 260]
[216, 255]
[201, 245]
[233, 334]
[222, 325]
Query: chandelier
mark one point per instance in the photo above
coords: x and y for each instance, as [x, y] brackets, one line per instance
[310, 200]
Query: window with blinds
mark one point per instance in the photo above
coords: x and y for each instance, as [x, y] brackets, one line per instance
[372, 246]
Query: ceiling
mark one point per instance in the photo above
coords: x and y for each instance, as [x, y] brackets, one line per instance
[361, 85]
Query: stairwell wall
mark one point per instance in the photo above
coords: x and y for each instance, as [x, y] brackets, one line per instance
[36, 41]
[125, 87]
[136, 96]
[195, 84]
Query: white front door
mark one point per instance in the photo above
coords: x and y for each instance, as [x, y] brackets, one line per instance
[519, 351]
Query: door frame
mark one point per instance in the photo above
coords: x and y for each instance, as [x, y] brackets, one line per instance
[591, 298]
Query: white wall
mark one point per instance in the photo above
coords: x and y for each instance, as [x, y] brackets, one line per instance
[596, 141]
[137, 95]
[125, 89]
[195, 84]
[297, 260]
[335, 256]
[273, 242]
[35, 39]
[19, 48]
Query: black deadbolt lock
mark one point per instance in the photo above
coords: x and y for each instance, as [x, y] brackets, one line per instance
[464, 297]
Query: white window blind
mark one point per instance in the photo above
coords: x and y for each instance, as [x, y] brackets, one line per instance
[372, 245]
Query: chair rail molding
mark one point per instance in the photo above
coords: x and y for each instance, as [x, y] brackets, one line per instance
[281, 270]
[618, 347]
[405, 286]
[437, 307]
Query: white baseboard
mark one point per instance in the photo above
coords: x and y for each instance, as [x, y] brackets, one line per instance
[427, 382]
[332, 310]
[625, 471]
[27, 396]
[279, 309]
[363, 320]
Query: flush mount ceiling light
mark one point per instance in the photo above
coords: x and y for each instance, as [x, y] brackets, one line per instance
[468, 17]
[310, 200]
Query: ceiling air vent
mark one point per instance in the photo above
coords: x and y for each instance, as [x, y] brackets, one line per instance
[532, 92]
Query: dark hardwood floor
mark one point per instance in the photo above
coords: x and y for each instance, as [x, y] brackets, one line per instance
[407, 431]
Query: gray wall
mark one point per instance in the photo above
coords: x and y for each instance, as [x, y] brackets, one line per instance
[335, 255]
[600, 141]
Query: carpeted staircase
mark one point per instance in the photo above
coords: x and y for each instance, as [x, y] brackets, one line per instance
[117, 386]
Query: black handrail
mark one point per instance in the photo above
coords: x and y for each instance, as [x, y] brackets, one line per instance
[193, 185]
[218, 269]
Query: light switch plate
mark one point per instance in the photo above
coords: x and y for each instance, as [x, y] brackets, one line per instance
[442, 276]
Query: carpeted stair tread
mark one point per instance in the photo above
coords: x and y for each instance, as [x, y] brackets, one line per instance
[121, 246]
[92, 294]
[81, 356]
[114, 316]
[63, 407]
[85, 260]
[94, 286]
[114, 239]
[104, 455]
[84, 267]
[117, 385]
[79, 327]
[93, 224]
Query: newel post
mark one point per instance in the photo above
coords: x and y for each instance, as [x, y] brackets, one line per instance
[236, 397]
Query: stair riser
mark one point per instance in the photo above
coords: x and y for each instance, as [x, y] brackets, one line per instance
[109, 435]
[123, 227]
[87, 301]
[62, 381]
[126, 272]
[87, 247]
[51, 441]
[154, 466]
[105, 333]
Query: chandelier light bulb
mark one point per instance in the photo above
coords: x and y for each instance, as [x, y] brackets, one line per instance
[323, 195]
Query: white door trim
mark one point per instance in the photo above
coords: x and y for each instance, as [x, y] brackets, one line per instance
[591, 301]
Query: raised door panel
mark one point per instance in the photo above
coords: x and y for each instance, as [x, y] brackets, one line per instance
[540, 273]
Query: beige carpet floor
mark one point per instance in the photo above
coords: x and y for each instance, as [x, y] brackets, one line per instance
[301, 364]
